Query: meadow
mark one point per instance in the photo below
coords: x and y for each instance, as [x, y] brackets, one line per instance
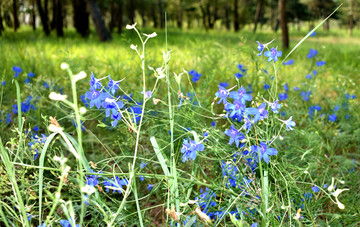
[208, 133]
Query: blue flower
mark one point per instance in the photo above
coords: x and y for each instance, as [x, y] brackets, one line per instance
[195, 75]
[235, 135]
[36, 128]
[224, 84]
[273, 54]
[82, 125]
[46, 85]
[189, 149]
[266, 86]
[95, 83]
[213, 124]
[17, 71]
[3, 83]
[240, 95]
[314, 72]
[289, 62]
[150, 186]
[286, 87]
[313, 34]
[312, 110]
[96, 98]
[283, 96]
[289, 123]
[325, 186]
[66, 223]
[332, 117]
[308, 76]
[264, 151]
[263, 112]
[31, 74]
[112, 107]
[305, 95]
[320, 63]
[116, 184]
[348, 96]
[296, 88]
[222, 93]
[312, 53]
[92, 180]
[142, 165]
[113, 85]
[260, 48]
[8, 118]
[315, 189]
[336, 108]
[237, 109]
[238, 75]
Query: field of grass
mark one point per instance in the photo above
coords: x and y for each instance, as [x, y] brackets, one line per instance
[224, 179]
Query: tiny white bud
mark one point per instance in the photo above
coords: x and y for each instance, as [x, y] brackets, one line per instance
[64, 66]
[57, 97]
[82, 110]
[80, 76]
[57, 195]
[132, 46]
[130, 26]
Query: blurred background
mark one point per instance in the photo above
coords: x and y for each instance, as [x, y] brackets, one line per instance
[108, 16]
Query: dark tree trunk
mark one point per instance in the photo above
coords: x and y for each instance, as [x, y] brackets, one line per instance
[81, 17]
[283, 24]
[236, 16]
[43, 17]
[272, 15]
[33, 16]
[211, 16]
[325, 14]
[112, 17]
[54, 15]
[189, 20]
[351, 25]
[161, 14]
[179, 15]
[15, 15]
[227, 16]
[154, 16]
[203, 12]
[257, 13]
[120, 17]
[131, 11]
[100, 27]
[1, 20]
[59, 18]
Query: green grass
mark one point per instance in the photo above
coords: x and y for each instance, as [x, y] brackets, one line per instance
[313, 153]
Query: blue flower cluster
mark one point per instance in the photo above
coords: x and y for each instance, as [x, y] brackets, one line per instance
[195, 76]
[242, 71]
[115, 183]
[189, 149]
[105, 98]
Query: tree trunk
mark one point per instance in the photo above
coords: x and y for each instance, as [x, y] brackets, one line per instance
[153, 14]
[283, 24]
[112, 17]
[272, 15]
[227, 16]
[120, 17]
[179, 15]
[81, 17]
[15, 15]
[43, 17]
[236, 16]
[325, 14]
[257, 14]
[131, 11]
[162, 22]
[1, 21]
[100, 27]
[33, 15]
[59, 18]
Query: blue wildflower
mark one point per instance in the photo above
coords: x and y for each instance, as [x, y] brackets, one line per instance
[266, 86]
[189, 149]
[320, 63]
[296, 88]
[315, 189]
[275, 106]
[113, 85]
[36, 128]
[283, 96]
[115, 183]
[8, 118]
[3, 83]
[96, 97]
[289, 123]
[66, 223]
[224, 84]
[264, 151]
[238, 75]
[332, 117]
[314, 72]
[195, 76]
[112, 106]
[325, 186]
[240, 95]
[17, 71]
[289, 62]
[313, 34]
[222, 93]
[312, 53]
[308, 76]
[31, 74]
[150, 186]
[336, 108]
[235, 135]
[46, 85]
[273, 54]
[260, 48]
[213, 124]
[92, 180]
[263, 112]
[27, 80]
[95, 84]
[305, 95]
[282, 113]
[82, 125]
[286, 87]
